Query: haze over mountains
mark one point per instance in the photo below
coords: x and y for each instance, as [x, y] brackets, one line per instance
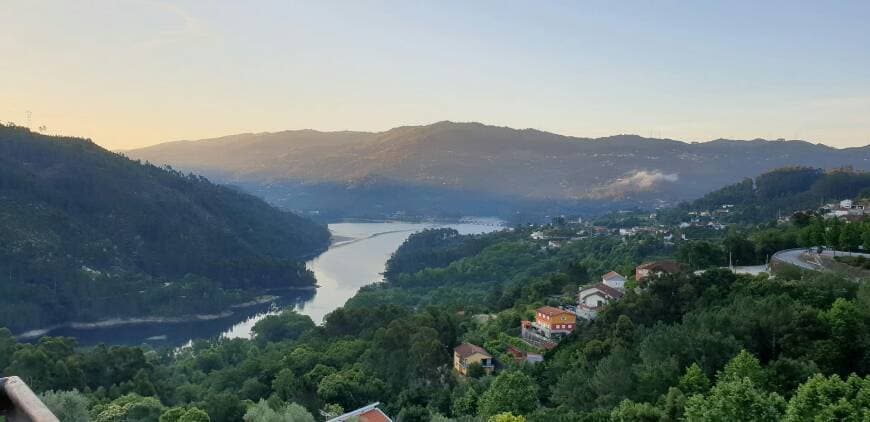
[472, 168]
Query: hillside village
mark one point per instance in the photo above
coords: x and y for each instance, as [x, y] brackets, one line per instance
[552, 324]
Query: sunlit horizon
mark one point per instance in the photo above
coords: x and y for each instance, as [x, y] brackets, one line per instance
[132, 73]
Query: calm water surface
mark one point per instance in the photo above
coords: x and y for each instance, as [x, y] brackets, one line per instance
[355, 259]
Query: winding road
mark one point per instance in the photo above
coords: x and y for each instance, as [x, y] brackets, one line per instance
[808, 259]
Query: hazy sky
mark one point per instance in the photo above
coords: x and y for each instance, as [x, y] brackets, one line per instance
[131, 73]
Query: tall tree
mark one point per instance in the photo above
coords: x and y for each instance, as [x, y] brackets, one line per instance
[512, 392]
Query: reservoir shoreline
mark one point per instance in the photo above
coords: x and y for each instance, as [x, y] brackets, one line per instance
[356, 257]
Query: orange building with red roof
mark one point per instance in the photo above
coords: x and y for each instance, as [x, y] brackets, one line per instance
[555, 320]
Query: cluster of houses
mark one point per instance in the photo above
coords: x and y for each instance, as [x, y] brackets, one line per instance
[707, 219]
[552, 239]
[466, 354]
[846, 209]
[555, 241]
[591, 299]
[636, 230]
[552, 324]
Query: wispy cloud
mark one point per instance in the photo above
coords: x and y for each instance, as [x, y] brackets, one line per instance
[637, 181]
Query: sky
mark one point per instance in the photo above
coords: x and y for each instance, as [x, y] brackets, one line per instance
[131, 73]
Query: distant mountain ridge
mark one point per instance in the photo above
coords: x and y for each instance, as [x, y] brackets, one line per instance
[449, 161]
[87, 234]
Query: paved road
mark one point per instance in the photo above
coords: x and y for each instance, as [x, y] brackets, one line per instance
[799, 258]
[810, 260]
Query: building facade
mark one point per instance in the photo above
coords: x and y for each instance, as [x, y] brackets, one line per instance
[467, 354]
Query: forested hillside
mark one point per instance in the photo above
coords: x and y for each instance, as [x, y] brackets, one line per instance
[782, 192]
[88, 234]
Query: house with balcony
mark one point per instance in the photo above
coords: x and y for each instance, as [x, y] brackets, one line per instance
[550, 326]
[467, 354]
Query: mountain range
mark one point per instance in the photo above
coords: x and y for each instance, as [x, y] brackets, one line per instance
[463, 168]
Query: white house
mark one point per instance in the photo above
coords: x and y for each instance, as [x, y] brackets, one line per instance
[614, 279]
[592, 299]
[626, 232]
[846, 204]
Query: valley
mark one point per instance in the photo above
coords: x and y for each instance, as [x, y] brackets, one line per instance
[355, 260]
[434, 211]
[685, 307]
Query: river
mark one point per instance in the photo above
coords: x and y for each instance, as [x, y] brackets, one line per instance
[356, 258]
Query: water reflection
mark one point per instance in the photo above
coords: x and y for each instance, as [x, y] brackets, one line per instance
[356, 258]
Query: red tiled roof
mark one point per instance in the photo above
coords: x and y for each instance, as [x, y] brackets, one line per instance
[550, 311]
[374, 415]
[369, 413]
[465, 350]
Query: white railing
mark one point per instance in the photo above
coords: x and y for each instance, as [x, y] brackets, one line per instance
[19, 404]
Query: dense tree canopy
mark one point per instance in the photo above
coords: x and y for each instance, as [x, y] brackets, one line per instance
[89, 234]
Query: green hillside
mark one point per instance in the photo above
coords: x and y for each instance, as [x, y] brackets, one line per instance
[89, 234]
[782, 192]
